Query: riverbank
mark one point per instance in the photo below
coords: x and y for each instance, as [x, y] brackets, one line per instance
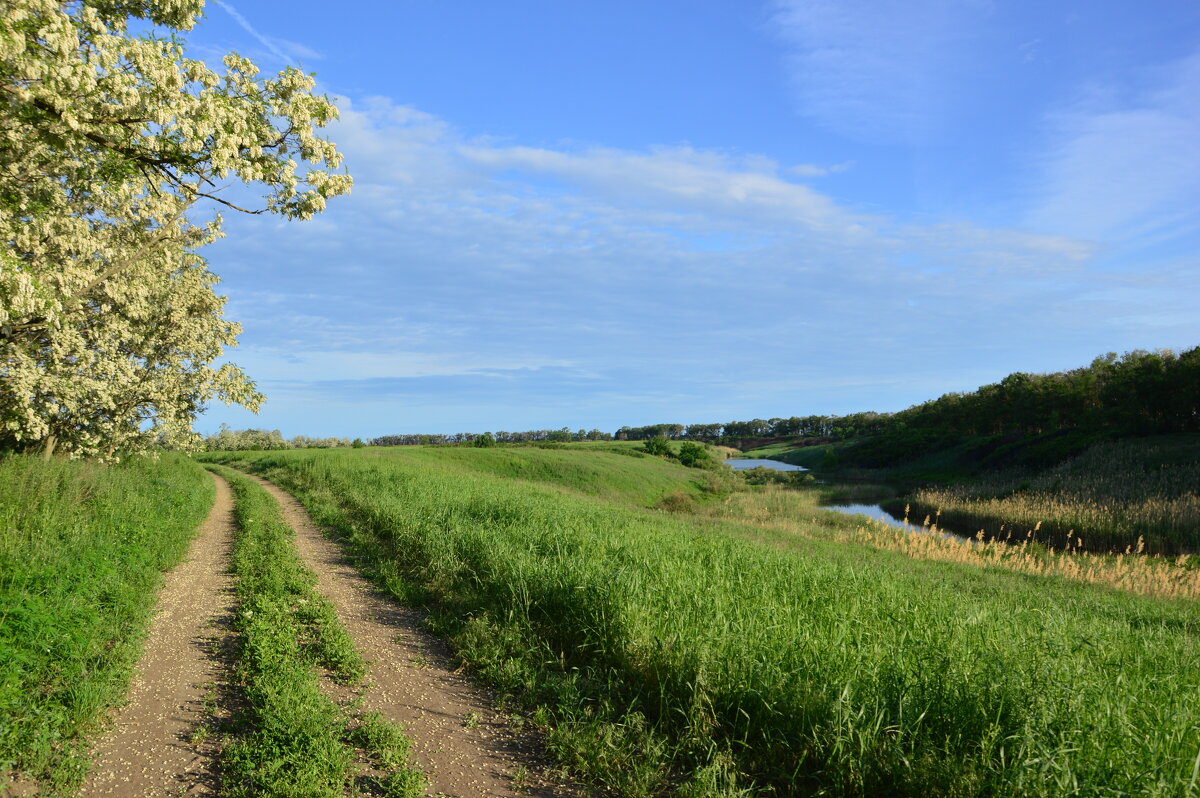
[1112, 496]
[685, 652]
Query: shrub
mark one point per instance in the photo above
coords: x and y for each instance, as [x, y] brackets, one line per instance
[658, 445]
[694, 455]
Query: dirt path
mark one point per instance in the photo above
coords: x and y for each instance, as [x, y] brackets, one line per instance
[459, 740]
[153, 748]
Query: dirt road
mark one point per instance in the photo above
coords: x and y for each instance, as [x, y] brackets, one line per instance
[459, 740]
[155, 747]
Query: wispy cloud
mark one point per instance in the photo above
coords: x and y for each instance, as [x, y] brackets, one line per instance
[813, 170]
[877, 70]
[1124, 169]
[268, 43]
[654, 268]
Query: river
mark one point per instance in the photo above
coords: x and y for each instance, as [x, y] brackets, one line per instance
[873, 511]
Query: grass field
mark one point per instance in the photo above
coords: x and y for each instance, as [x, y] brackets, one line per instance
[82, 549]
[778, 450]
[700, 655]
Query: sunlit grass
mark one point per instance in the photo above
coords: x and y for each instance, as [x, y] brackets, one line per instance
[82, 549]
[797, 512]
[711, 655]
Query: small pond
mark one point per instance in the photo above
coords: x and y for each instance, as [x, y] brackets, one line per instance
[774, 465]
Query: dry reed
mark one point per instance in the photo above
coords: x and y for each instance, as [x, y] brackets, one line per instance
[795, 512]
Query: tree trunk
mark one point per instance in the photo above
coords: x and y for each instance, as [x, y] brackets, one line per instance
[48, 447]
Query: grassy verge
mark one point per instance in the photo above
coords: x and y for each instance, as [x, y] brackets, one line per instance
[670, 654]
[296, 741]
[82, 550]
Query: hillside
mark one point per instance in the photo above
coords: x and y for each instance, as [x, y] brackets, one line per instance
[738, 645]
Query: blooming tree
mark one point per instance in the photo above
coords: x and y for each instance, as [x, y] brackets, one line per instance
[109, 322]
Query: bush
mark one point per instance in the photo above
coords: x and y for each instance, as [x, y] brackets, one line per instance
[761, 475]
[677, 502]
[658, 445]
[694, 455]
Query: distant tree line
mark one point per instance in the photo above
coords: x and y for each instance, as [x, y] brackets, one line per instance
[1138, 392]
[234, 440]
[830, 427]
[563, 435]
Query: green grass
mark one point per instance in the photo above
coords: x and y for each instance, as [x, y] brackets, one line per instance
[770, 451]
[785, 452]
[601, 469]
[693, 656]
[295, 741]
[82, 550]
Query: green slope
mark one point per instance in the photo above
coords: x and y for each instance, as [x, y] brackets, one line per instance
[667, 654]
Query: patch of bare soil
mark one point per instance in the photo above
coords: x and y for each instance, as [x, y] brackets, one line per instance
[459, 740]
[157, 745]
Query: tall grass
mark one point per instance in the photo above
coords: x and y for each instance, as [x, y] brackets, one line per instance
[797, 514]
[82, 548]
[701, 657]
[1110, 496]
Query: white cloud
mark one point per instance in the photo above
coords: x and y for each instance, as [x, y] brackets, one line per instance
[812, 170]
[513, 205]
[678, 178]
[276, 365]
[297, 50]
[1126, 169]
[455, 257]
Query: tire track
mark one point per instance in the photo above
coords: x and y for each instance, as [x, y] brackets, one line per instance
[154, 747]
[458, 739]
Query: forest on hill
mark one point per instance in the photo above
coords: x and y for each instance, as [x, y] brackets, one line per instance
[1136, 393]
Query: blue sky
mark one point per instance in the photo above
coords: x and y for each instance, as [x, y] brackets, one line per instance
[588, 214]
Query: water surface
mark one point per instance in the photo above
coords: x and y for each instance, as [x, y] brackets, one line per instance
[877, 513]
[774, 465]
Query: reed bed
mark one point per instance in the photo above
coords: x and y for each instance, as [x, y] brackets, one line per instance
[1111, 496]
[669, 654]
[799, 513]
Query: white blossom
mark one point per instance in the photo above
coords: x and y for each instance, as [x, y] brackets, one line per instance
[109, 321]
